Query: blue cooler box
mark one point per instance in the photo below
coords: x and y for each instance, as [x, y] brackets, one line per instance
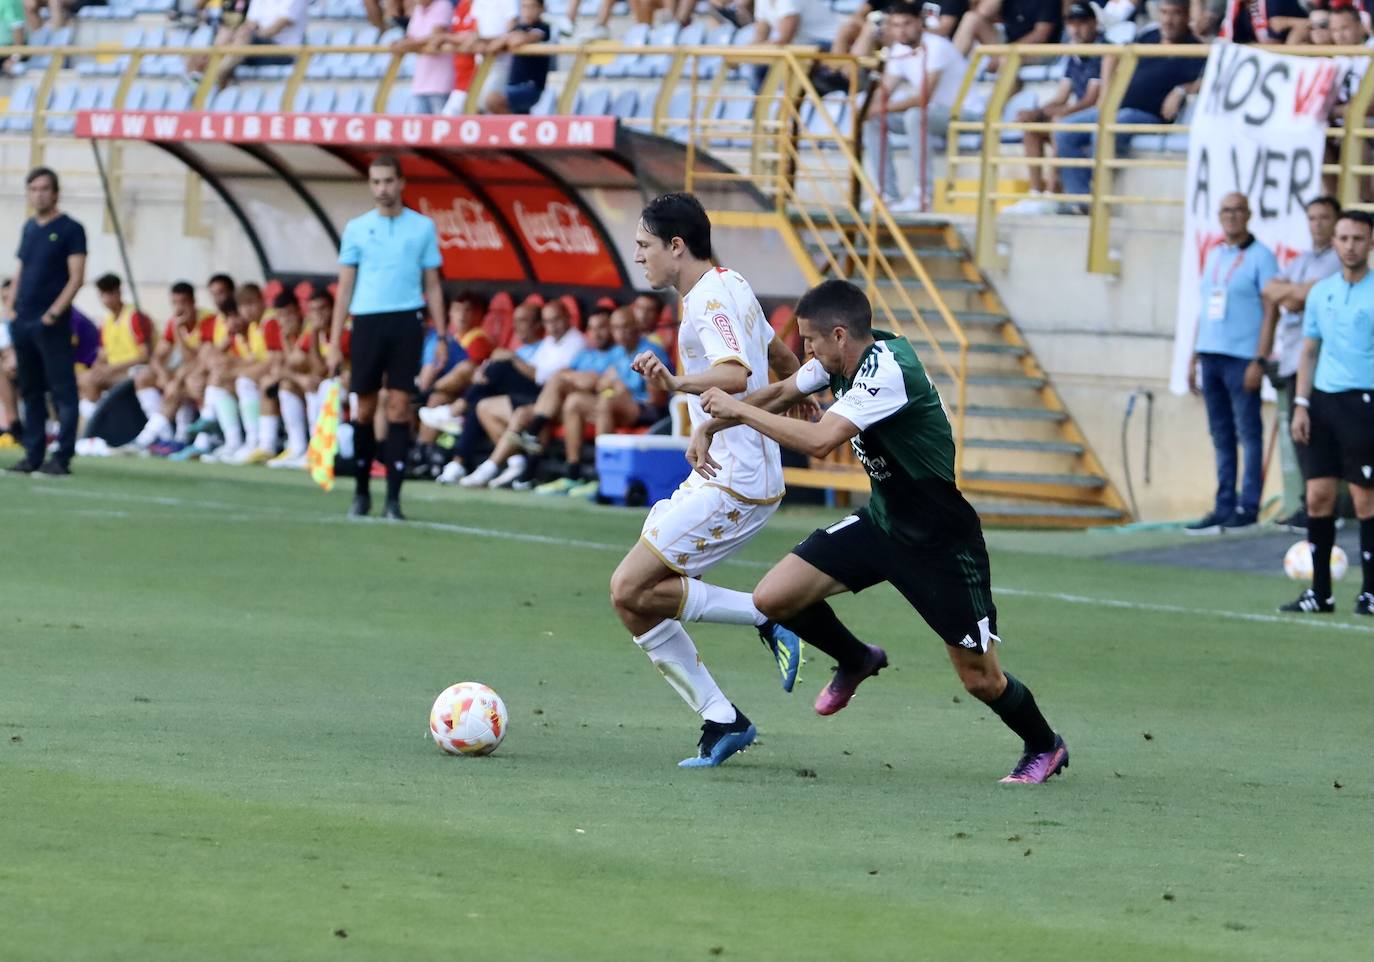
[653, 463]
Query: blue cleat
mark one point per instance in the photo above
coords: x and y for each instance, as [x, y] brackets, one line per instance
[719, 741]
[786, 647]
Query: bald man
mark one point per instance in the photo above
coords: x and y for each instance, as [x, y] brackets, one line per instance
[1230, 315]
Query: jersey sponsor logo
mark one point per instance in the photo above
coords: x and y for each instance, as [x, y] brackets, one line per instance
[875, 466]
[727, 332]
[861, 386]
[715, 306]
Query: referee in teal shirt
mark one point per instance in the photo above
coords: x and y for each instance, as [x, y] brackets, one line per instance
[1228, 333]
[1333, 417]
[388, 275]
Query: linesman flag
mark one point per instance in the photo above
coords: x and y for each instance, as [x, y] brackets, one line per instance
[324, 441]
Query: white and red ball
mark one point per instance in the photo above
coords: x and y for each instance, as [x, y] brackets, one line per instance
[1297, 563]
[468, 719]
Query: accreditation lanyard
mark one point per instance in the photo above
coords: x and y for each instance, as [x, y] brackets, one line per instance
[1216, 303]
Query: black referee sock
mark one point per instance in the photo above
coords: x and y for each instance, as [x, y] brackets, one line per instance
[537, 424]
[364, 450]
[1367, 553]
[820, 628]
[1321, 534]
[1017, 708]
[394, 453]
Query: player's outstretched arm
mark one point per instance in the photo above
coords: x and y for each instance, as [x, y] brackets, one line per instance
[816, 440]
[778, 396]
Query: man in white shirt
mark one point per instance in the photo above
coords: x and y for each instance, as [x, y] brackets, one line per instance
[267, 23]
[917, 96]
[782, 23]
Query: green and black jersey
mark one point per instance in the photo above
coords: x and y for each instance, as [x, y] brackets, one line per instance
[904, 442]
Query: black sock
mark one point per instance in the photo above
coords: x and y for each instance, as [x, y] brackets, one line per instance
[575, 471]
[1321, 534]
[364, 450]
[394, 454]
[820, 628]
[536, 425]
[1017, 708]
[1367, 553]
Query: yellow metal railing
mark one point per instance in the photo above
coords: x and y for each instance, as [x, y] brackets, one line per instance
[1354, 140]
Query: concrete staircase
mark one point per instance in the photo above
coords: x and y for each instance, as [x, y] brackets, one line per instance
[1025, 462]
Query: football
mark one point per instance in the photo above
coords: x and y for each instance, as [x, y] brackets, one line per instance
[1297, 562]
[468, 719]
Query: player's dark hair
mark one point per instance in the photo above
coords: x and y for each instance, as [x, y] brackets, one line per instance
[904, 8]
[651, 296]
[1328, 201]
[1358, 216]
[184, 289]
[321, 294]
[284, 299]
[221, 279]
[47, 172]
[1173, 3]
[107, 283]
[473, 299]
[679, 215]
[386, 160]
[1346, 8]
[250, 289]
[837, 303]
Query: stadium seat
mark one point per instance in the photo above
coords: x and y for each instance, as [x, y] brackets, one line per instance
[358, 64]
[60, 107]
[353, 100]
[137, 96]
[655, 65]
[637, 36]
[153, 38]
[326, 65]
[225, 100]
[624, 103]
[595, 103]
[88, 67]
[250, 101]
[20, 115]
[271, 100]
[546, 104]
[398, 99]
[735, 116]
[722, 36]
[177, 98]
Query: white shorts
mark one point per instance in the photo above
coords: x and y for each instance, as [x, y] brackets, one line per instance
[701, 526]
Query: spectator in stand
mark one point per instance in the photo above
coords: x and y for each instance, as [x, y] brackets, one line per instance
[1333, 420]
[781, 23]
[526, 75]
[1348, 30]
[58, 12]
[268, 23]
[475, 28]
[11, 26]
[433, 80]
[1155, 95]
[1315, 31]
[52, 267]
[386, 13]
[1023, 21]
[1260, 21]
[1234, 274]
[1078, 91]
[569, 396]
[507, 383]
[126, 339]
[1284, 299]
[917, 96]
[644, 11]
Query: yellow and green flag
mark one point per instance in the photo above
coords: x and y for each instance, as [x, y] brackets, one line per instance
[324, 442]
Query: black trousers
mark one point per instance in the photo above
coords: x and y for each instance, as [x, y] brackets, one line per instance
[502, 379]
[47, 367]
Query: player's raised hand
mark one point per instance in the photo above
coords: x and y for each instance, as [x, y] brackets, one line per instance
[808, 409]
[699, 453]
[653, 370]
[719, 404]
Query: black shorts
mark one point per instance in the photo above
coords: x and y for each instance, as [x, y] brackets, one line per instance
[386, 344]
[1341, 444]
[650, 414]
[948, 584]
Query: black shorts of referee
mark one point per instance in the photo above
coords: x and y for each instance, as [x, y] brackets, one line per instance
[385, 350]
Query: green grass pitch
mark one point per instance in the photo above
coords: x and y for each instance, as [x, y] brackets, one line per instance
[214, 692]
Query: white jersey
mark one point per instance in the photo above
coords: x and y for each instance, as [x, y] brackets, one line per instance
[722, 321]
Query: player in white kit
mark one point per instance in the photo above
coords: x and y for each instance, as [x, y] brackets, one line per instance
[723, 342]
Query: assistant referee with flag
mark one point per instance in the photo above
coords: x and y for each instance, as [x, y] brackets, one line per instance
[388, 274]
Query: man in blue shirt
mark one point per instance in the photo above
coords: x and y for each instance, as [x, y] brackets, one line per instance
[1333, 417]
[52, 268]
[1228, 333]
[388, 274]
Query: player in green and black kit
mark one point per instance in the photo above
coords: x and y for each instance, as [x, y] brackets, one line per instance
[917, 533]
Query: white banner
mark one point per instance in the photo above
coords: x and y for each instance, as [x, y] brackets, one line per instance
[1257, 130]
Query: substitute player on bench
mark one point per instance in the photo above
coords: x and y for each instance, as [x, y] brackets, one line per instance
[917, 533]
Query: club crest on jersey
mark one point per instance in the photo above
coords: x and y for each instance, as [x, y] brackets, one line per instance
[727, 332]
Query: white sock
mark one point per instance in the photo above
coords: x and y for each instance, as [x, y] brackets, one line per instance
[186, 416]
[314, 404]
[722, 606]
[158, 428]
[269, 425]
[150, 399]
[249, 403]
[293, 416]
[227, 414]
[671, 650]
[85, 409]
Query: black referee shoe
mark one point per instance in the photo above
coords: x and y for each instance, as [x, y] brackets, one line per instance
[22, 467]
[56, 469]
[361, 507]
[1309, 603]
[392, 511]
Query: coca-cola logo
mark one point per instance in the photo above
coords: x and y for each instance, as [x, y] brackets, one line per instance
[557, 229]
[463, 225]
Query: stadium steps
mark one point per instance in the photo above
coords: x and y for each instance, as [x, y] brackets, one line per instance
[1023, 453]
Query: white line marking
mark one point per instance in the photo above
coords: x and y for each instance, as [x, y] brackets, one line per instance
[286, 515]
